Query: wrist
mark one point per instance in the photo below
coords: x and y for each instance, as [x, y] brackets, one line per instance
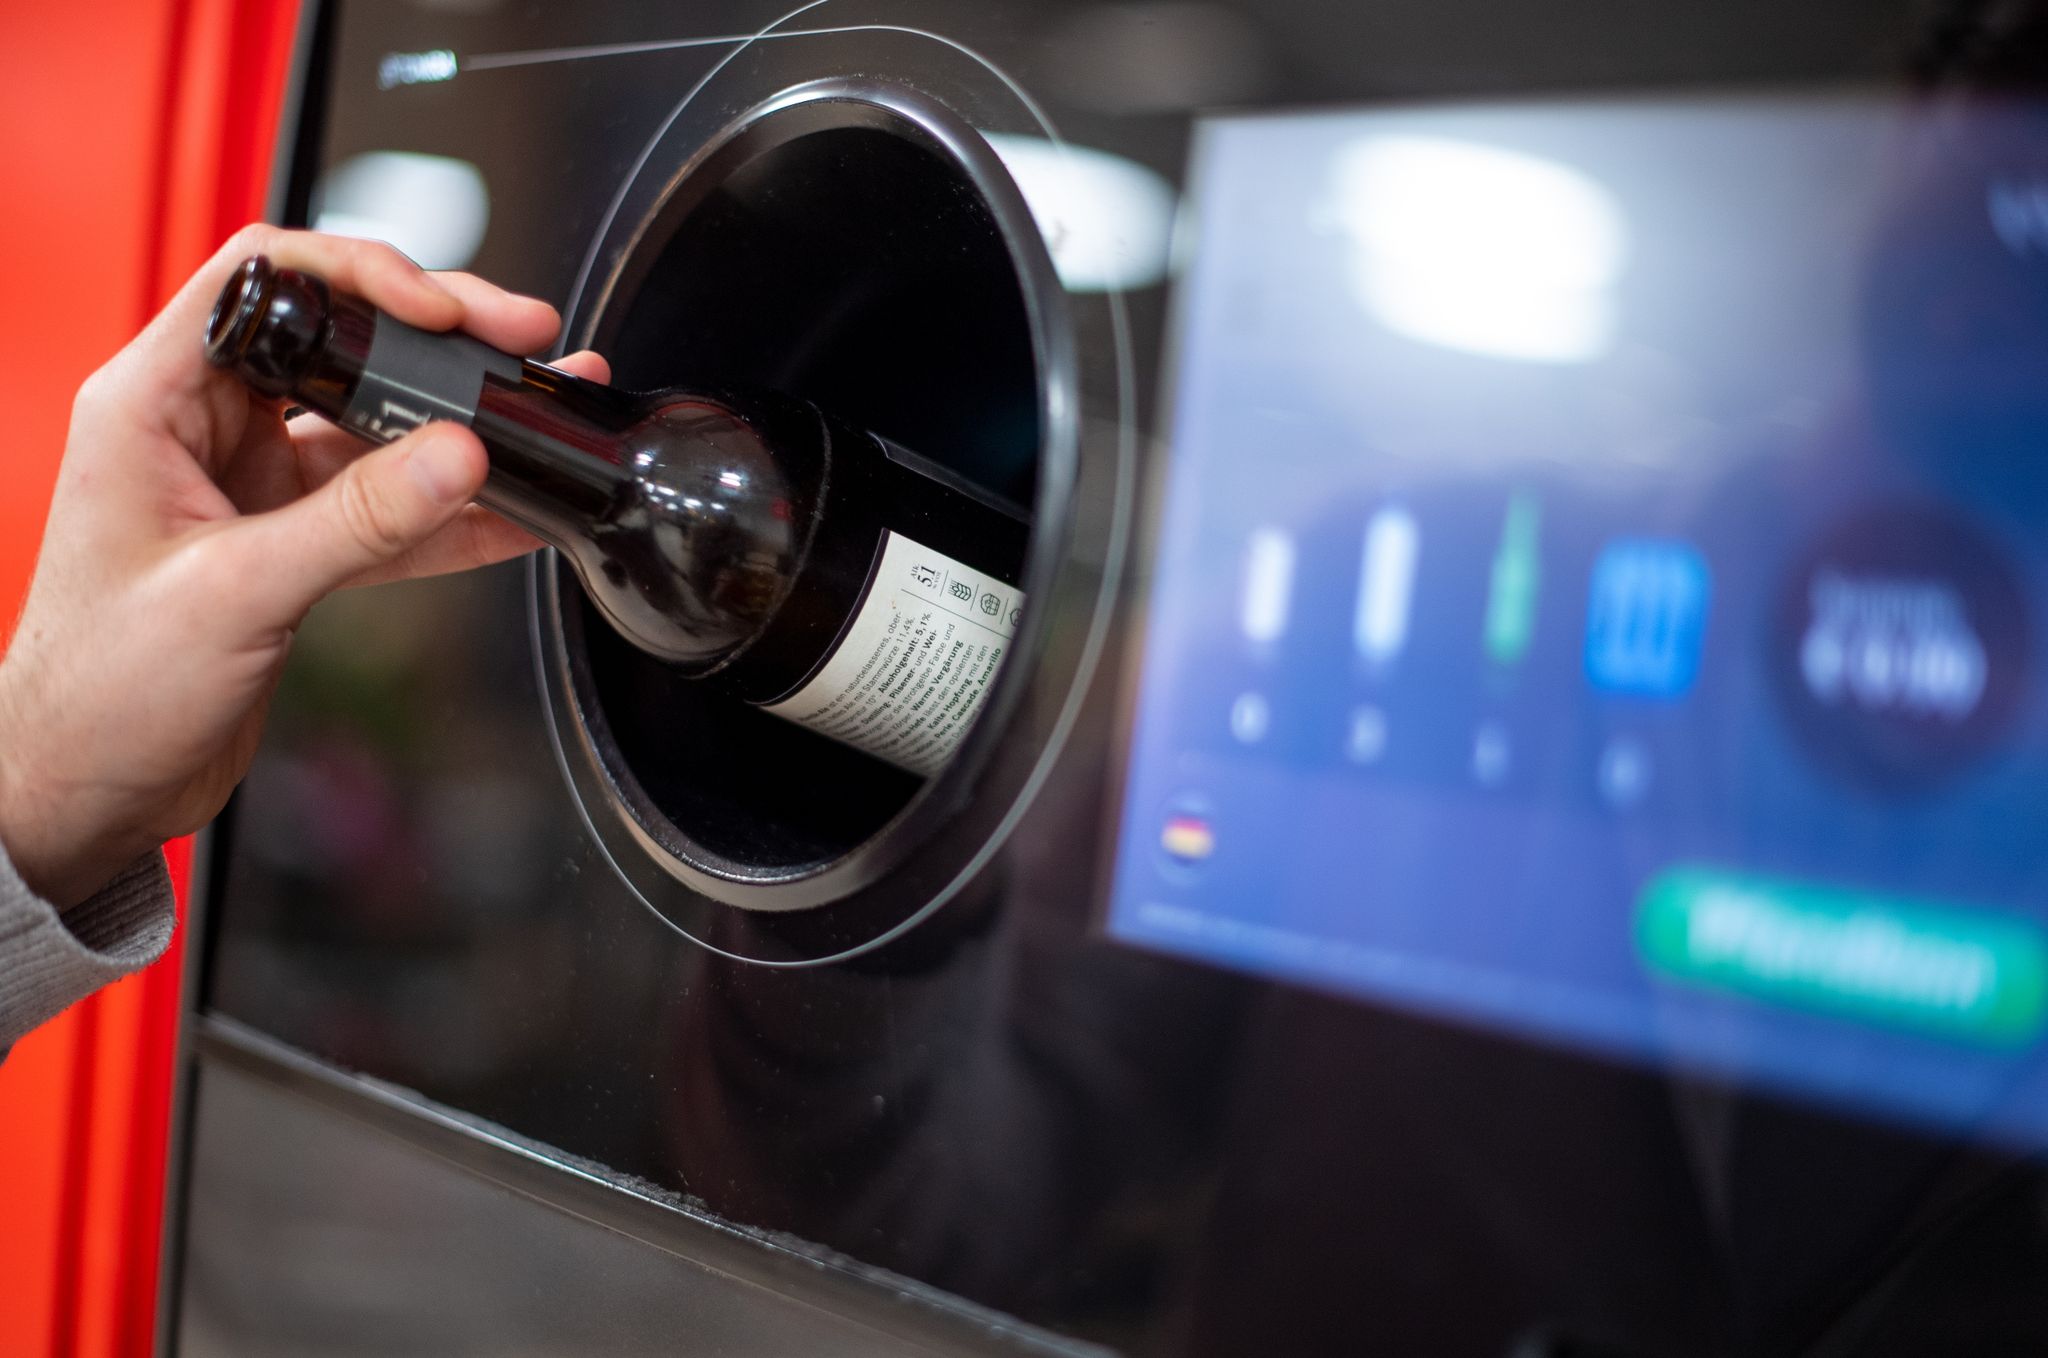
[49, 845]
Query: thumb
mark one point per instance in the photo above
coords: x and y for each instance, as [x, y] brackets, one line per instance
[370, 514]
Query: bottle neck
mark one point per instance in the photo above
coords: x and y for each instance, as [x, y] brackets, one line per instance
[552, 437]
[686, 515]
[683, 515]
[554, 443]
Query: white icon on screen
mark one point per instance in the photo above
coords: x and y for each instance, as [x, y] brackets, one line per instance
[1268, 582]
[1366, 738]
[1491, 755]
[1250, 718]
[1624, 772]
[1386, 585]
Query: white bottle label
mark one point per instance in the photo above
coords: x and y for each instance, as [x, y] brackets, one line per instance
[912, 670]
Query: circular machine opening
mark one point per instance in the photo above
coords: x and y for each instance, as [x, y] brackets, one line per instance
[842, 250]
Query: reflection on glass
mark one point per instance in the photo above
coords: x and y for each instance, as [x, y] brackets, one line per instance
[1480, 248]
[432, 208]
[1106, 219]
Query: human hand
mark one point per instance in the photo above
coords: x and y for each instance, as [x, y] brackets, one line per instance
[190, 531]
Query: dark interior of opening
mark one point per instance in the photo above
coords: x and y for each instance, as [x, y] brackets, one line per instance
[862, 270]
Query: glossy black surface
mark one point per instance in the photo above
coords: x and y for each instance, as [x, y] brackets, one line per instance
[328, 1221]
[1002, 1104]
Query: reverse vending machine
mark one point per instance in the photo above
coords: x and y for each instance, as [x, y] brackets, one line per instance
[1513, 816]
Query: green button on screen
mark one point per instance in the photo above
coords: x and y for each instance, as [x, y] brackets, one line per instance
[1903, 964]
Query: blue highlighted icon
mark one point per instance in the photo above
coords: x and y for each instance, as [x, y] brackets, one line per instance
[1647, 618]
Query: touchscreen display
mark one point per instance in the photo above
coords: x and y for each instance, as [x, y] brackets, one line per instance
[1601, 586]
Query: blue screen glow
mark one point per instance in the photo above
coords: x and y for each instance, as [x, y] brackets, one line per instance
[1600, 584]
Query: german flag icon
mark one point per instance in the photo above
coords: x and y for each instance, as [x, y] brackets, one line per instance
[1187, 838]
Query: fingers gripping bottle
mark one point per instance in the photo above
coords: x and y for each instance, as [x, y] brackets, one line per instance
[749, 539]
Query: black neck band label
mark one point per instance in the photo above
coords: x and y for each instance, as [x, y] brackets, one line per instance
[413, 376]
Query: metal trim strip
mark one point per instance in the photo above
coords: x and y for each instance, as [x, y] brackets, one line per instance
[905, 1311]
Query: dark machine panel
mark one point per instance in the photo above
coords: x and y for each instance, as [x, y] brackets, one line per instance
[1515, 827]
[327, 1218]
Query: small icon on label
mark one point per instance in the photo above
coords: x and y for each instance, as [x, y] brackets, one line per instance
[394, 413]
[1250, 718]
[1015, 614]
[1647, 618]
[1624, 772]
[962, 590]
[1386, 585]
[924, 575]
[990, 604]
[1491, 755]
[1512, 587]
[391, 420]
[1366, 739]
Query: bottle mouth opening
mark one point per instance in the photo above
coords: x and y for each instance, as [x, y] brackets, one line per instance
[234, 312]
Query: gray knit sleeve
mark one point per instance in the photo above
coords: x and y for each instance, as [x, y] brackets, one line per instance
[50, 959]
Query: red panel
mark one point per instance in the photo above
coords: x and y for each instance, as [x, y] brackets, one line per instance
[72, 252]
[134, 136]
